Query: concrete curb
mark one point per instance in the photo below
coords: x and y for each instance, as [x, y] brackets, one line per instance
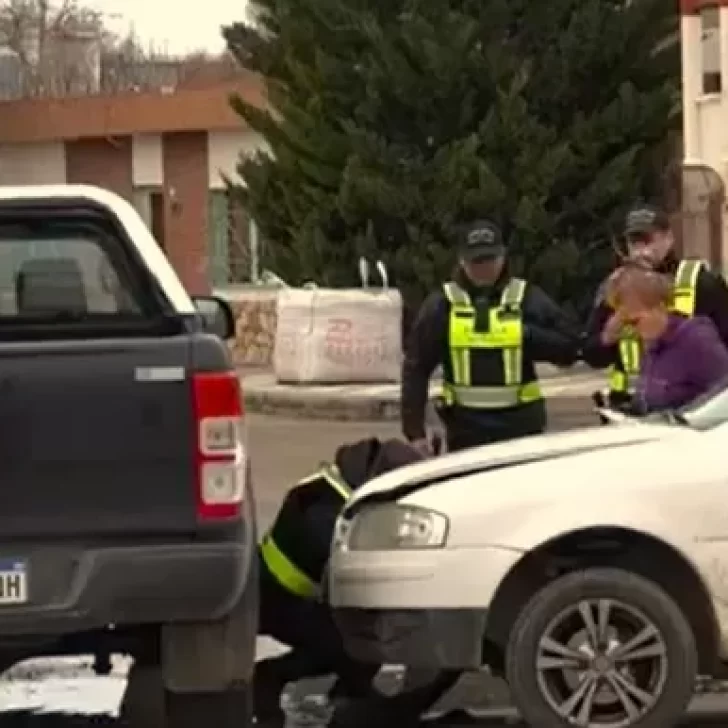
[375, 403]
[321, 407]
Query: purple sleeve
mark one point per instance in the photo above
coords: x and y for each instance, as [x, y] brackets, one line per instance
[708, 354]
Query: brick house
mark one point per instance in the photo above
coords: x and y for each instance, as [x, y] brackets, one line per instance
[166, 151]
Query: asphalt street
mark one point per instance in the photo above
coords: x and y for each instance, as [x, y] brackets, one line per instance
[284, 450]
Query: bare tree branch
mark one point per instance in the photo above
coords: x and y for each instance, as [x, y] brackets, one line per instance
[64, 47]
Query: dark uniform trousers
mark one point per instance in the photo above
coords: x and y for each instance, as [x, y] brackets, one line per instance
[317, 649]
[293, 558]
[466, 429]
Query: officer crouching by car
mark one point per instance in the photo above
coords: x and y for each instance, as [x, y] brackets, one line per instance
[487, 329]
[609, 341]
[293, 559]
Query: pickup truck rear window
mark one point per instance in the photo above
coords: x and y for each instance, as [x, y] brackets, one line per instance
[60, 275]
[70, 273]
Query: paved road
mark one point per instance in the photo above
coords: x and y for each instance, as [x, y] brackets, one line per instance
[283, 451]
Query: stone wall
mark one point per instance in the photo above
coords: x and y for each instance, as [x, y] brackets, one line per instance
[255, 316]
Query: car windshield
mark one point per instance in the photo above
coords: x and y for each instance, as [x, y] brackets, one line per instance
[708, 411]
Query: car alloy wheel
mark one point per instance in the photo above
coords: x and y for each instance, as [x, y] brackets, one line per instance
[601, 662]
[602, 647]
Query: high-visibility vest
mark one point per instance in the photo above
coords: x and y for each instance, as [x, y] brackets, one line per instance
[623, 374]
[505, 332]
[284, 548]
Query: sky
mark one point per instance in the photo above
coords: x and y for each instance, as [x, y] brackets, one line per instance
[174, 26]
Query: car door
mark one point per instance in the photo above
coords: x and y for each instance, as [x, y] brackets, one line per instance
[96, 418]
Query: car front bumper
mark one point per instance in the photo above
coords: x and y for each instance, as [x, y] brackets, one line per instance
[438, 638]
[422, 608]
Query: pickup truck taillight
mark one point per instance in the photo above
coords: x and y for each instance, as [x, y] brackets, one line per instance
[220, 460]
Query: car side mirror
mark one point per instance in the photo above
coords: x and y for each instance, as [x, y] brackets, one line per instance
[216, 315]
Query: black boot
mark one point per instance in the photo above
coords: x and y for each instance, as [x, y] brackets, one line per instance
[267, 700]
[379, 711]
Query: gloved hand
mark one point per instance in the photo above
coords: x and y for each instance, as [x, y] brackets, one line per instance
[423, 447]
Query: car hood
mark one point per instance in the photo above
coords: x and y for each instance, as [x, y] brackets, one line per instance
[523, 451]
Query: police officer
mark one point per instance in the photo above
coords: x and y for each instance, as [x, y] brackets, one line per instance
[487, 329]
[293, 558]
[608, 341]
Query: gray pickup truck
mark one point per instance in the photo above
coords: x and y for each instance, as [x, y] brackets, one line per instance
[126, 512]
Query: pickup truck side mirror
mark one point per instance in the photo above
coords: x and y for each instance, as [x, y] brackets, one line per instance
[217, 316]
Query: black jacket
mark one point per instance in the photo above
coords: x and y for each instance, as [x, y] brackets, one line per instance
[711, 300]
[316, 509]
[549, 336]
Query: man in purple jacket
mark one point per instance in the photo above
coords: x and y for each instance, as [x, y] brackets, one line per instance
[683, 357]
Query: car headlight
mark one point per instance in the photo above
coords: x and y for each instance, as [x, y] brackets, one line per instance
[395, 526]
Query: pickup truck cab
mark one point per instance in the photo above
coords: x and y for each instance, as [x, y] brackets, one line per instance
[126, 517]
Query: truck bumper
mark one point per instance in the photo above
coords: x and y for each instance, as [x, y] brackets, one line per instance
[73, 590]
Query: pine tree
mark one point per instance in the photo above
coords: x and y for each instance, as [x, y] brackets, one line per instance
[308, 54]
[420, 115]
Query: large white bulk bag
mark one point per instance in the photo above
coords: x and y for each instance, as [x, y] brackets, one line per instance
[332, 336]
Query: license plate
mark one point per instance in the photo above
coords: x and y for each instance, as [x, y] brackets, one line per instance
[13, 582]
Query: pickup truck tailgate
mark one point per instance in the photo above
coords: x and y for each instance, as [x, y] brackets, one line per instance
[96, 438]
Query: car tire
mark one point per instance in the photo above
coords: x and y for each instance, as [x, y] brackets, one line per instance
[542, 679]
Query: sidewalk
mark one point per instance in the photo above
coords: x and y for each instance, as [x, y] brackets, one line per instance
[376, 402]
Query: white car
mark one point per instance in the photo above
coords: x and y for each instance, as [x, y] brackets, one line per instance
[590, 567]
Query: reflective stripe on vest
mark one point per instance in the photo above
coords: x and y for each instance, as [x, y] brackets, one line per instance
[332, 475]
[686, 284]
[505, 332]
[280, 566]
[622, 377]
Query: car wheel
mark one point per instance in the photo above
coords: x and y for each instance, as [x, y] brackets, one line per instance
[601, 647]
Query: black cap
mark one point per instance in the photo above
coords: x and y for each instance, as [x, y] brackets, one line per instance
[481, 239]
[646, 219]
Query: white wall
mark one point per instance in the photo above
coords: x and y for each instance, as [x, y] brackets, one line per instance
[705, 116]
[224, 150]
[147, 160]
[713, 132]
[33, 164]
[692, 85]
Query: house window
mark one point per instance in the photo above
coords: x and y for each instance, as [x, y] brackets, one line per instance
[230, 235]
[710, 41]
